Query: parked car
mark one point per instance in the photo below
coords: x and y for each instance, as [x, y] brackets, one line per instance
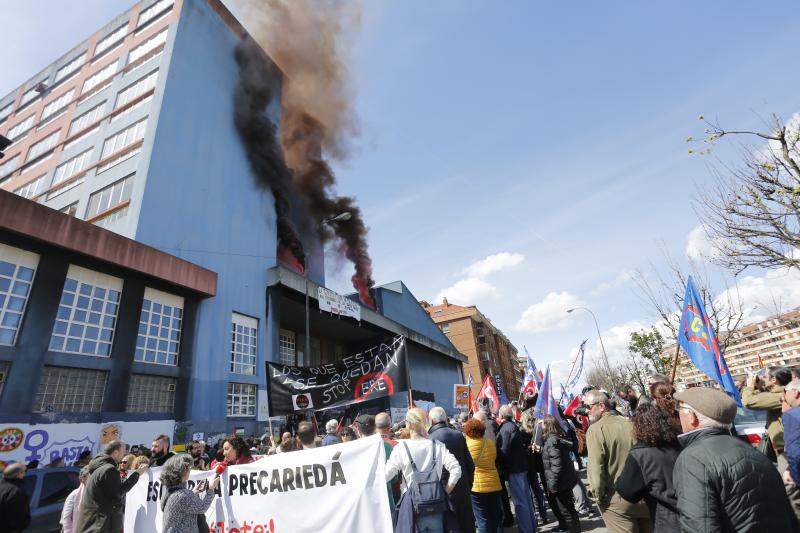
[47, 488]
[751, 425]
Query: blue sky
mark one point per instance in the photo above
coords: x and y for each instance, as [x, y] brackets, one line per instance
[550, 133]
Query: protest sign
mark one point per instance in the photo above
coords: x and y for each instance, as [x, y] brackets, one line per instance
[47, 442]
[341, 487]
[337, 304]
[374, 373]
[461, 396]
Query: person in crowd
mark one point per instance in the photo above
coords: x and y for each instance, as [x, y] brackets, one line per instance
[456, 444]
[330, 433]
[721, 482]
[160, 450]
[795, 372]
[514, 468]
[485, 492]
[72, 505]
[403, 434]
[101, 506]
[383, 423]
[184, 510]
[648, 469]
[15, 511]
[791, 442]
[767, 396]
[484, 417]
[33, 465]
[348, 434]
[662, 395]
[58, 462]
[83, 459]
[125, 465]
[364, 426]
[609, 439]
[235, 451]
[196, 451]
[287, 444]
[630, 397]
[426, 454]
[560, 472]
[536, 469]
[140, 460]
[306, 435]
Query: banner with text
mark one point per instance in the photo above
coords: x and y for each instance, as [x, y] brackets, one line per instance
[341, 487]
[374, 373]
[47, 442]
[337, 304]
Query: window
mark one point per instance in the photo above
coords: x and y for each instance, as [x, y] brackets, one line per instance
[87, 119]
[32, 188]
[132, 108]
[43, 146]
[110, 40]
[56, 486]
[87, 313]
[57, 105]
[70, 210]
[99, 77]
[17, 268]
[149, 45]
[5, 366]
[110, 196]
[72, 166]
[445, 328]
[69, 68]
[9, 166]
[29, 96]
[287, 349]
[153, 11]
[20, 128]
[70, 390]
[244, 341]
[144, 64]
[136, 89]
[83, 136]
[5, 112]
[120, 141]
[151, 394]
[485, 356]
[159, 328]
[241, 399]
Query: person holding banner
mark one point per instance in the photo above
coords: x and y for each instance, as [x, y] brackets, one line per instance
[184, 510]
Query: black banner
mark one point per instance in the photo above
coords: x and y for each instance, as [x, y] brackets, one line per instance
[375, 373]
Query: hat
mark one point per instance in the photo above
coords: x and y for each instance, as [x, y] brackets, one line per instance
[365, 421]
[712, 403]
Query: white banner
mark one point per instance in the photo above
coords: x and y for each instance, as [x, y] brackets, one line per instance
[337, 304]
[47, 442]
[338, 488]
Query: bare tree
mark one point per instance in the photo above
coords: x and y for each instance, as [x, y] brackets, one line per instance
[605, 377]
[753, 212]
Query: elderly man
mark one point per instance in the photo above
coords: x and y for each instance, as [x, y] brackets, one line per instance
[330, 433]
[513, 462]
[455, 442]
[791, 442]
[102, 509]
[608, 441]
[722, 483]
[15, 512]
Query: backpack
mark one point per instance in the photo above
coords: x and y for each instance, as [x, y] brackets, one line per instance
[427, 493]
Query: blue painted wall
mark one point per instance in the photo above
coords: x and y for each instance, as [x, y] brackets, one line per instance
[201, 203]
[404, 308]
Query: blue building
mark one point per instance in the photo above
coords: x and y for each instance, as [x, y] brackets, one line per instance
[132, 132]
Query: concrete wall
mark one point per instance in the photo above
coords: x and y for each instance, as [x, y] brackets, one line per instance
[201, 203]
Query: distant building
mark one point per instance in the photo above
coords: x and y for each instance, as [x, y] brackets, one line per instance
[131, 134]
[487, 349]
[776, 340]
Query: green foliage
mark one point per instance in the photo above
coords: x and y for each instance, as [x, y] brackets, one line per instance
[649, 345]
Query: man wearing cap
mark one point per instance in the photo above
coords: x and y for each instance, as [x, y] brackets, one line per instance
[723, 483]
[15, 512]
[456, 444]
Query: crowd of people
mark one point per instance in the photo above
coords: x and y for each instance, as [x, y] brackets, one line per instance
[662, 461]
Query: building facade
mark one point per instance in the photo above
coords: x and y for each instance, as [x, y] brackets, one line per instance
[776, 341]
[132, 132]
[487, 349]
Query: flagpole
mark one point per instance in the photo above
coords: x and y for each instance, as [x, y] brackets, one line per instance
[675, 362]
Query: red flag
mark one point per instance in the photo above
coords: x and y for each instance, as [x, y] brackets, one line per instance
[576, 401]
[487, 391]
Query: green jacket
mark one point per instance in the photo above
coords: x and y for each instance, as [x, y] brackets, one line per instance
[608, 441]
[770, 402]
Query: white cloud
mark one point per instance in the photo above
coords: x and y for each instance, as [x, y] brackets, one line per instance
[549, 314]
[468, 291]
[699, 246]
[763, 296]
[493, 263]
[623, 278]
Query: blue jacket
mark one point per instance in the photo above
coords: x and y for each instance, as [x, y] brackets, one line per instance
[329, 439]
[456, 444]
[791, 441]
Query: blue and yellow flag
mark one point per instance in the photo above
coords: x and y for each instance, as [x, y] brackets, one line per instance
[697, 338]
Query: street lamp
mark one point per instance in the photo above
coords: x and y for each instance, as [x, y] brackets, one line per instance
[605, 356]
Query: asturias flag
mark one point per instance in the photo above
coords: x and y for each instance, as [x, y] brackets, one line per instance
[487, 391]
[545, 404]
[697, 338]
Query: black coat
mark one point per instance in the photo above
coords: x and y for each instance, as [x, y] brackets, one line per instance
[15, 511]
[510, 450]
[159, 461]
[558, 468]
[101, 507]
[725, 485]
[456, 444]
[648, 474]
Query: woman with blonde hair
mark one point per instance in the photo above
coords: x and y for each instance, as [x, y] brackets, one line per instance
[421, 454]
[486, 491]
